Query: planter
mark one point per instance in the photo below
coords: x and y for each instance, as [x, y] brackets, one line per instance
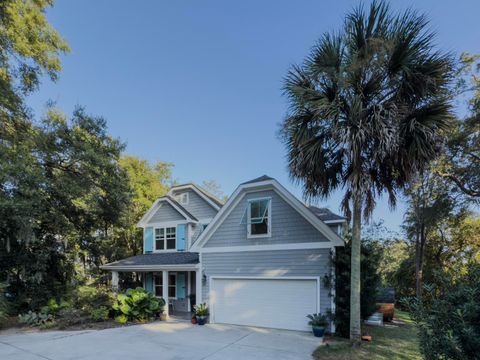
[318, 331]
[163, 317]
[194, 320]
[201, 320]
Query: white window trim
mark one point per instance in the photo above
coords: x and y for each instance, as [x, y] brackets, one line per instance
[269, 224]
[170, 285]
[183, 198]
[164, 239]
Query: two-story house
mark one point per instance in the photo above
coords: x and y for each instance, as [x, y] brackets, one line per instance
[260, 259]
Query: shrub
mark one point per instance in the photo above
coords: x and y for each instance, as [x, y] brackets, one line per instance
[70, 316]
[448, 316]
[370, 282]
[89, 297]
[3, 305]
[35, 319]
[100, 314]
[136, 305]
[53, 307]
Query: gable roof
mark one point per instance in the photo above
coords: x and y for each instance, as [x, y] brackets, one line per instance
[209, 198]
[148, 215]
[266, 182]
[326, 215]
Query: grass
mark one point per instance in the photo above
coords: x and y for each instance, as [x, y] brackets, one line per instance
[392, 342]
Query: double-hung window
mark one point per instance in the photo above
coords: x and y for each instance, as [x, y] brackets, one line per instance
[172, 285]
[165, 238]
[259, 217]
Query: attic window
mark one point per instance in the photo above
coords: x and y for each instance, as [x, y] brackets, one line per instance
[258, 217]
[183, 198]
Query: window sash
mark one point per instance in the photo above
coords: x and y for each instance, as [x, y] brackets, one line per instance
[262, 208]
[172, 285]
[166, 238]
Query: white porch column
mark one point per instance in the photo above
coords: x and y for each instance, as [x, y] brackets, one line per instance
[115, 280]
[165, 291]
[198, 286]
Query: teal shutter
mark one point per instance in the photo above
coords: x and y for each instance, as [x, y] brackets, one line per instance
[180, 285]
[147, 240]
[149, 282]
[181, 237]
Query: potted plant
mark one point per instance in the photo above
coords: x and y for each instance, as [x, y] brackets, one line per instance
[319, 323]
[201, 312]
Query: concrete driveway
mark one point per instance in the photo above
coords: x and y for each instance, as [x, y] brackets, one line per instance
[161, 340]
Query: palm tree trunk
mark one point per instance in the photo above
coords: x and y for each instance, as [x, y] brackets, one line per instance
[419, 250]
[355, 330]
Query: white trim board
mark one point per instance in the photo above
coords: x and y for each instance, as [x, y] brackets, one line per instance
[271, 247]
[242, 190]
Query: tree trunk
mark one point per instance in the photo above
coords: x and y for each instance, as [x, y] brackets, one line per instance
[419, 250]
[355, 330]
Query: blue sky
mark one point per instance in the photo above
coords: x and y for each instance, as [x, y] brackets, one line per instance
[198, 83]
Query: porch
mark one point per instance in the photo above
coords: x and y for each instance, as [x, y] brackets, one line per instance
[175, 277]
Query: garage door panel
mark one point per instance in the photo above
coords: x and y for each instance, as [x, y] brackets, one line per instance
[276, 303]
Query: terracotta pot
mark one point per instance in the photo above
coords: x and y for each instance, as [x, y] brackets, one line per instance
[194, 320]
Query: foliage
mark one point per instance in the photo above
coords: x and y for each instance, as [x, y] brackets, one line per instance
[58, 204]
[137, 305]
[35, 319]
[29, 48]
[318, 319]
[368, 109]
[448, 316]
[88, 297]
[4, 306]
[460, 163]
[148, 182]
[201, 309]
[100, 314]
[370, 282]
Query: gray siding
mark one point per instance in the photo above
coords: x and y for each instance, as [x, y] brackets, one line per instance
[197, 206]
[166, 213]
[288, 226]
[279, 263]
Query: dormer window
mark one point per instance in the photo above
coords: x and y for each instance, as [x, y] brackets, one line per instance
[183, 198]
[259, 218]
[165, 239]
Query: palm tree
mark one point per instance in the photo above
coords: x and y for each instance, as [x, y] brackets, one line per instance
[368, 109]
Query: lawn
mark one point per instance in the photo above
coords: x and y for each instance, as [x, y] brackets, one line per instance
[389, 342]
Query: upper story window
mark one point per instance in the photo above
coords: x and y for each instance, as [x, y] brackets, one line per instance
[259, 218]
[165, 238]
[183, 198]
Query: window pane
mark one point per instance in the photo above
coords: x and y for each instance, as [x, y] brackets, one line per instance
[159, 244]
[159, 291]
[158, 280]
[172, 291]
[172, 280]
[261, 228]
[171, 244]
[159, 232]
[259, 208]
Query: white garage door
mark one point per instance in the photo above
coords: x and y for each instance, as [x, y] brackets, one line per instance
[274, 303]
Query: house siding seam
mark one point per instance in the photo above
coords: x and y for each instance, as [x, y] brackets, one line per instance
[279, 263]
[288, 225]
[166, 212]
[197, 206]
